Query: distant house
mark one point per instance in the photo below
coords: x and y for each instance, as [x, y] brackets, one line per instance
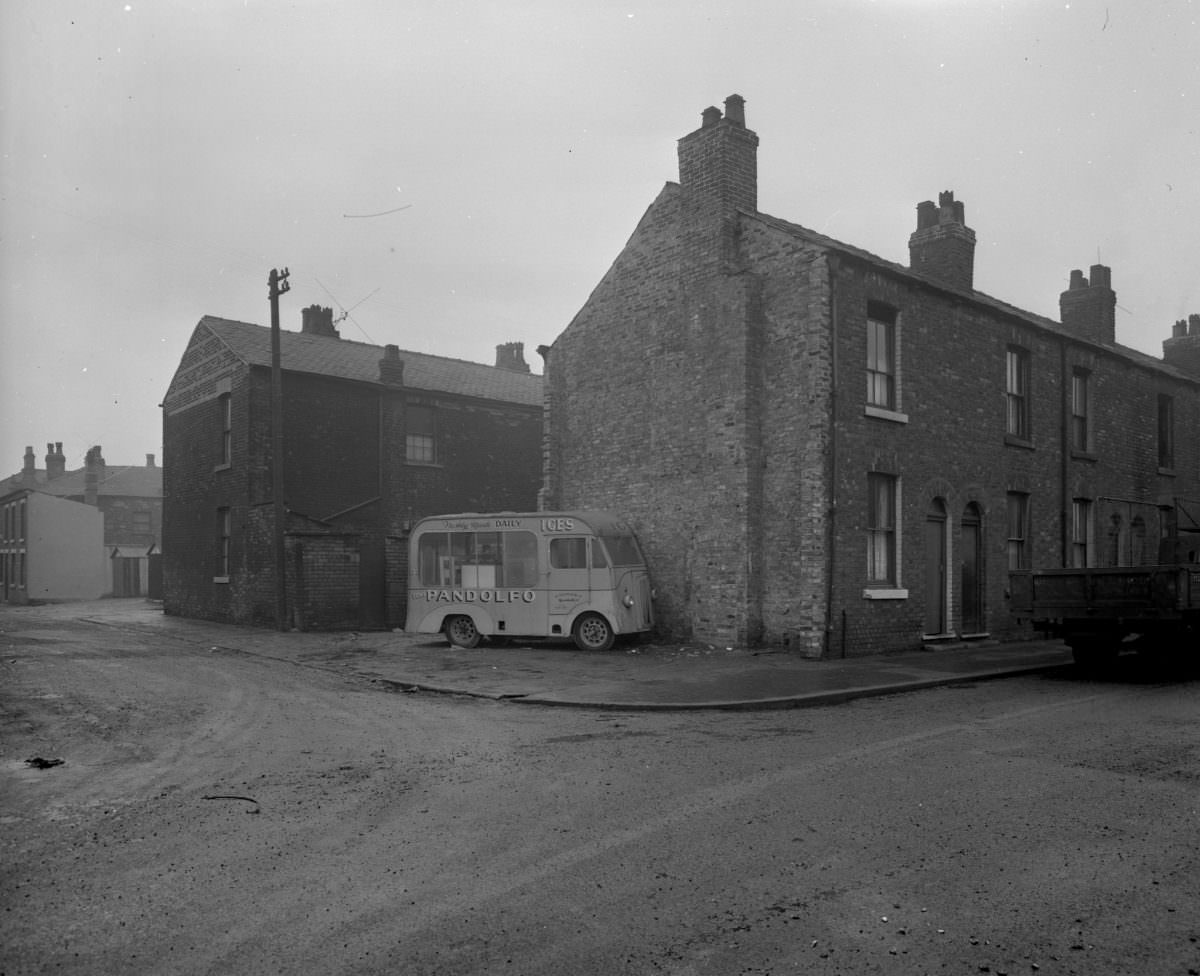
[47, 556]
[373, 439]
[50, 548]
[834, 453]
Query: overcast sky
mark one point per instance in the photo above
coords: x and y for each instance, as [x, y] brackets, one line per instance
[160, 157]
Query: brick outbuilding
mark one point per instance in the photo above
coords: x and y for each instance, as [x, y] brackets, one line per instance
[833, 453]
[373, 439]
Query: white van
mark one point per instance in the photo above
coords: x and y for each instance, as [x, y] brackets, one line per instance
[546, 574]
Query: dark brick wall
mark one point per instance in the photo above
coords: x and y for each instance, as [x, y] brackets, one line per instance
[196, 484]
[121, 526]
[724, 413]
[648, 418]
[345, 477]
[323, 581]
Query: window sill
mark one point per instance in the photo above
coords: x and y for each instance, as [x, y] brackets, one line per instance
[885, 594]
[882, 413]
[1079, 455]
[1166, 472]
[1011, 440]
[423, 464]
[223, 467]
[220, 579]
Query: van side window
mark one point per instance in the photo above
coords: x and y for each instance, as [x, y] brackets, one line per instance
[520, 559]
[568, 553]
[478, 559]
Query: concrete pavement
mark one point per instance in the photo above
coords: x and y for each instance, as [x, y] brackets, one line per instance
[630, 677]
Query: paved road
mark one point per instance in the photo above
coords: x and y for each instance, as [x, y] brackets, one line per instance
[221, 813]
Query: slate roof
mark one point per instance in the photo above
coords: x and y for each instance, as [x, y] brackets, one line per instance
[127, 481]
[325, 356]
[796, 230]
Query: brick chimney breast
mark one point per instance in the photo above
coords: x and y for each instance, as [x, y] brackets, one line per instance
[1087, 308]
[1182, 350]
[316, 320]
[943, 246]
[718, 163]
[391, 367]
[511, 356]
[56, 461]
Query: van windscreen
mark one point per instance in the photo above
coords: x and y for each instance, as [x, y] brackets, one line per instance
[622, 550]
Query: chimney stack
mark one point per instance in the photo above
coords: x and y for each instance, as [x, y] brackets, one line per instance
[391, 367]
[93, 474]
[149, 460]
[1088, 307]
[1182, 350]
[56, 461]
[316, 320]
[511, 356]
[29, 471]
[943, 246]
[718, 163]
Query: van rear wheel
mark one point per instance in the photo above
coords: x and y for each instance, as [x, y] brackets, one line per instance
[461, 631]
[592, 633]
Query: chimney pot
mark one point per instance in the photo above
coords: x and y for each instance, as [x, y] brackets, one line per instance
[149, 460]
[735, 110]
[1194, 324]
[710, 116]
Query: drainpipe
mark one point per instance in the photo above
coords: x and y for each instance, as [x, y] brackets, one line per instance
[831, 516]
[1064, 454]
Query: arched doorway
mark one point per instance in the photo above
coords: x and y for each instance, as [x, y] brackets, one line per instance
[935, 568]
[971, 547]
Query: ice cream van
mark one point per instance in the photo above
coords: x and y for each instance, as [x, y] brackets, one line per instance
[513, 575]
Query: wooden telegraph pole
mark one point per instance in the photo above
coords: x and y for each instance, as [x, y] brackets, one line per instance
[278, 283]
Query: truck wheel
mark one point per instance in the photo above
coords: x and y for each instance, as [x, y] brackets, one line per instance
[592, 633]
[461, 631]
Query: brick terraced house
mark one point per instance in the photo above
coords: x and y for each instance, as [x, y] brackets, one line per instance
[826, 451]
[373, 439]
[81, 533]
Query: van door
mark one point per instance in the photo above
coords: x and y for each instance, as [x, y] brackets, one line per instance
[577, 568]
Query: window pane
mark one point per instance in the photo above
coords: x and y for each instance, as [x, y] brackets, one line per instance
[1166, 432]
[1016, 393]
[880, 363]
[420, 435]
[881, 534]
[1018, 523]
[568, 553]
[623, 550]
[520, 559]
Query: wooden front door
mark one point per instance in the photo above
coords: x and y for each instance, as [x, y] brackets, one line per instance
[971, 545]
[935, 568]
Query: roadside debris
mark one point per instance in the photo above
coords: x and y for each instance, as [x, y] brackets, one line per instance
[37, 762]
[227, 796]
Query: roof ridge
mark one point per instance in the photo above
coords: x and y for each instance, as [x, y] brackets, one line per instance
[370, 345]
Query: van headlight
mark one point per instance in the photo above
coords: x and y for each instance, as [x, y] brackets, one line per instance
[627, 600]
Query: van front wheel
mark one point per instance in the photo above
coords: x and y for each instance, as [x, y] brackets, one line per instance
[592, 633]
[461, 631]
